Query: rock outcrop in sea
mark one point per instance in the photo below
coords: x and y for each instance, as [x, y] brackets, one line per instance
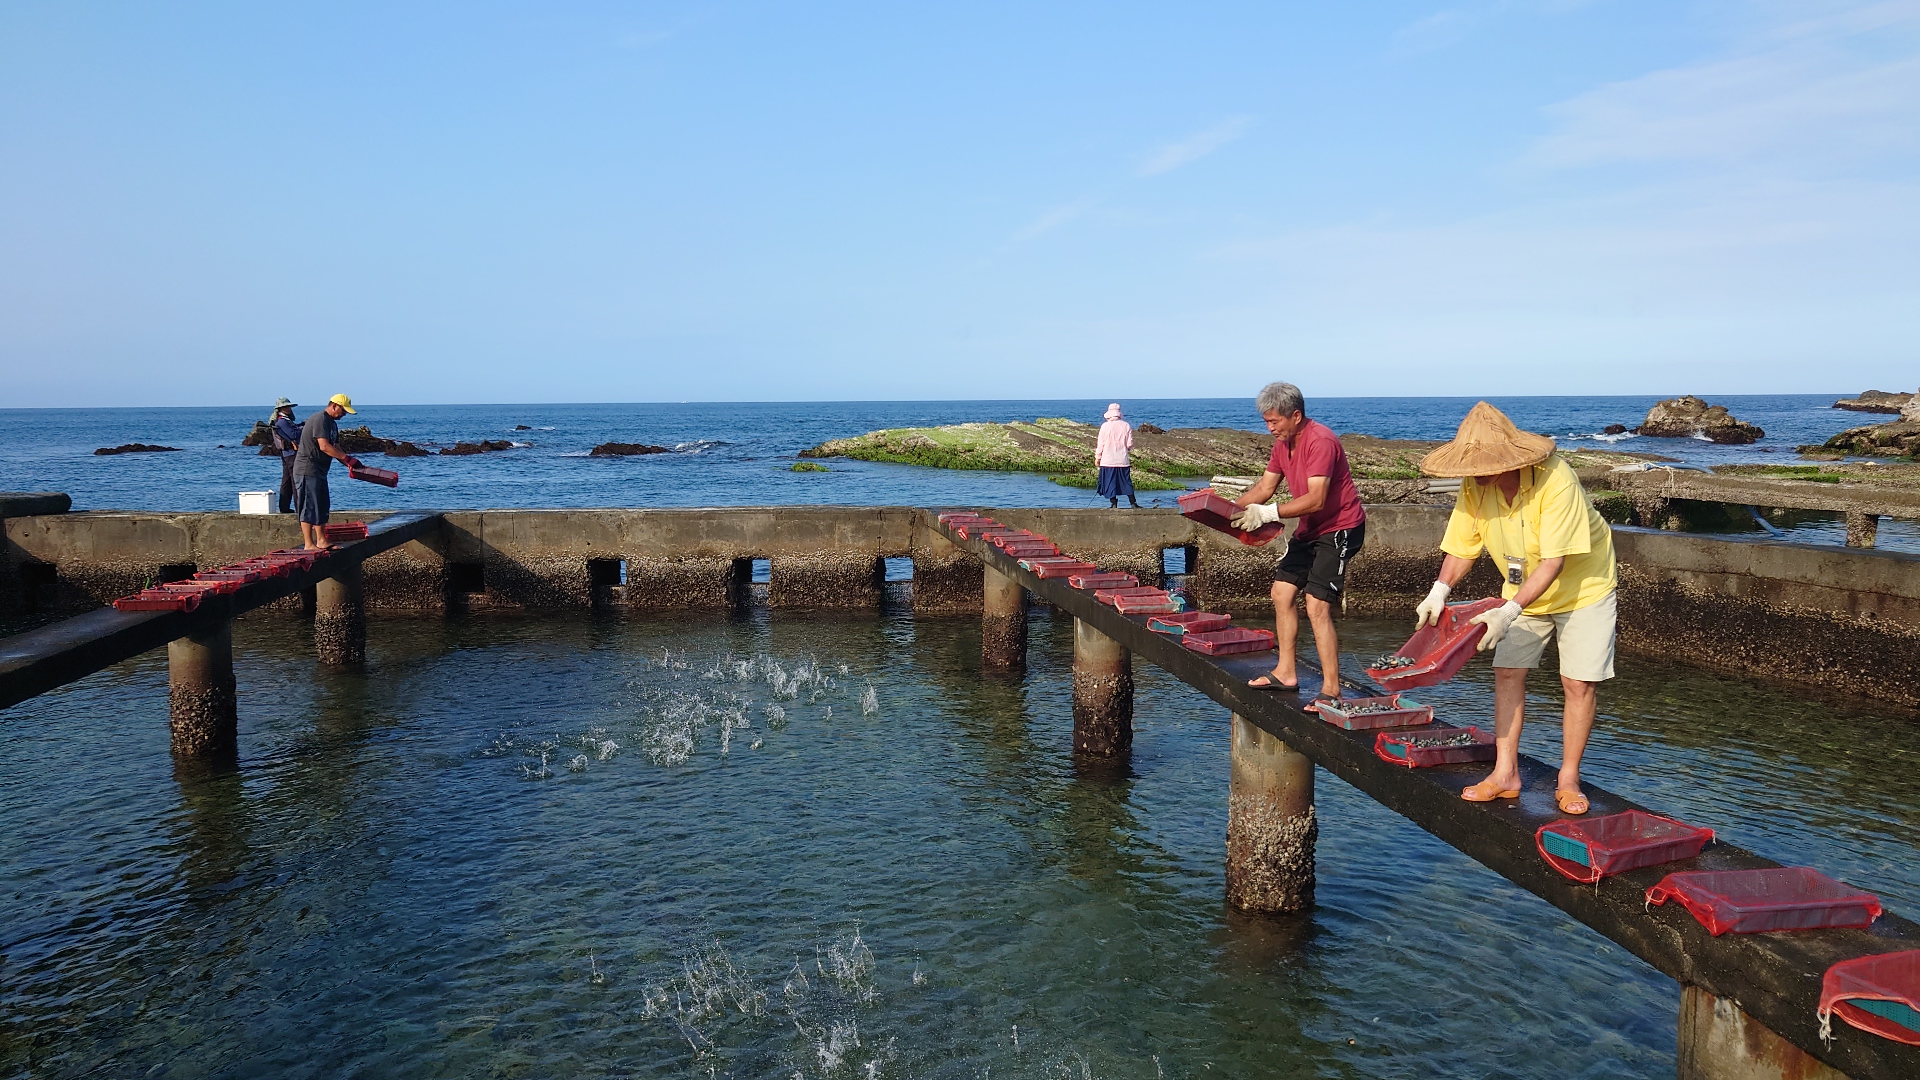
[1897, 438]
[1875, 401]
[624, 449]
[1690, 417]
[136, 448]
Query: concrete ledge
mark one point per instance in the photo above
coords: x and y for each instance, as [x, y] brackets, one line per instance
[31, 503]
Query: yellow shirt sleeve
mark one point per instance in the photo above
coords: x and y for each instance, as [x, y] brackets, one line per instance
[1563, 515]
[1463, 526]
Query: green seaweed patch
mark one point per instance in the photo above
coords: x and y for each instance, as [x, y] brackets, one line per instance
[1614, 506]
[1143, 480]
[808, 466]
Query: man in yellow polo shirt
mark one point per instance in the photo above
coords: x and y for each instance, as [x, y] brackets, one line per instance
[1522, 504]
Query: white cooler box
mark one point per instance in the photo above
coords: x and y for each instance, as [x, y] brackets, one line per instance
[256, 502]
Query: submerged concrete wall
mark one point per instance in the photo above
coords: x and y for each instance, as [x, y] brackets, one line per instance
[1846, 618]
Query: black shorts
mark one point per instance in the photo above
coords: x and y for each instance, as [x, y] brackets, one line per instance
[1319, 566]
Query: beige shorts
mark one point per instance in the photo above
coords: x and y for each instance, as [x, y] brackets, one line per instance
[1586, 641]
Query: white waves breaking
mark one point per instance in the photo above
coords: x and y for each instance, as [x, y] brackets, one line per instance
[716, 1004]
[675, 706]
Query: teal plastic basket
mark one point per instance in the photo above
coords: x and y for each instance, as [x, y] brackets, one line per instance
[1897, 1011]
[1565, 848]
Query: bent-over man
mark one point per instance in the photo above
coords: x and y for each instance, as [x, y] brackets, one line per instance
[1523, 505]
[1333, 525]
[311, 462]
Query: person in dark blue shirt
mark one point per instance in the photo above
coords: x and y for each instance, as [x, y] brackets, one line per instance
[285, 432]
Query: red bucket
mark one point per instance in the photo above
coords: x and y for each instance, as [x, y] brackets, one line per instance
[1189, 622]
[1436, 745]
[1368, 713]
[1229, 641]
[1215, 512]
[1438, 651]
[1762, 901]
[1588, 849]
[383, 477]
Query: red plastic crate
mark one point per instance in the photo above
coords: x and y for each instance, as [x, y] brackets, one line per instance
[1229, 641]
[1215, 512]
[1027, 549]
[963, 517]
[1005, 540]
[346, 530]
[1588, 849]
[971, 530]
[383, 477]
[1878, 994]
[217, 584]
[1109, 580]
[1030, 562]
[1060, 570]
[1401, 712]
[1189, 622]
[1142, 604]
[160, 600]
[1761, 901]
[1108, 596]
[1439, 651]
[241, 573]
[266, 568]
[1429, 746]
[296, 557]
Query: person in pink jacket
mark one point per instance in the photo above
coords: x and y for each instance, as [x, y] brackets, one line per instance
[1110, 454]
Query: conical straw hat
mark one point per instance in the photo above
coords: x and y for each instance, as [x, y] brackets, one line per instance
[1486, 444]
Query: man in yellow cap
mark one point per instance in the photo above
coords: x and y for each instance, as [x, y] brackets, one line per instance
[311, 462]
[1523, 505]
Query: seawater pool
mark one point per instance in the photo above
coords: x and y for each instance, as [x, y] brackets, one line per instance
[776, 845]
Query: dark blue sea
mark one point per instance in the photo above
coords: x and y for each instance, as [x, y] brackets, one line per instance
[741, 453]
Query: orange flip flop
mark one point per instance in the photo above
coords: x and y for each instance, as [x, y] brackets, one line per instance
[1571, 803]
[1484, 791]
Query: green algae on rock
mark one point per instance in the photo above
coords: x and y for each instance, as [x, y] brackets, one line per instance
[1063, 449]
[808, 466]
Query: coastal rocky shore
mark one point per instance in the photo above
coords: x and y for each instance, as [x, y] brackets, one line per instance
[1690, 417]
[1388, 470]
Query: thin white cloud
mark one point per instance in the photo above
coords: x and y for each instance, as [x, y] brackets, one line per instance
[1195, 146]
[1053, 219]
[1432, 32]
[1843, 84]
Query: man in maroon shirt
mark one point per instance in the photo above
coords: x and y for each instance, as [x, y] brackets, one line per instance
[1309, 457]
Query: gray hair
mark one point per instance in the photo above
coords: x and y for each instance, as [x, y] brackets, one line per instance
[1281, 397]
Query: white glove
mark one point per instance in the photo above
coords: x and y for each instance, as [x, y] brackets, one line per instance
[1255, 516]
[1435, 605]
[1497, 623]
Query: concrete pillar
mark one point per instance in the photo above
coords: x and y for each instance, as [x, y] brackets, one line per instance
[1652, 512]
[1003, 622]
[1718, 1041]
[1271, 828]
[340, 618]
[1102, 693]
[1862, 529]
[200, 693]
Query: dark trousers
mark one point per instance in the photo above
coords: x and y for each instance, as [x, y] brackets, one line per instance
[286, 485]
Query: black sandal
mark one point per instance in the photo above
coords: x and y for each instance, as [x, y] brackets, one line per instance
[1274, 684]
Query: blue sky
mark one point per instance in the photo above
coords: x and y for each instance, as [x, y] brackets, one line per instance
[204, 203]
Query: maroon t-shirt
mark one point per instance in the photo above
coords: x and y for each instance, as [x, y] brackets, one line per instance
[1316, 451]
